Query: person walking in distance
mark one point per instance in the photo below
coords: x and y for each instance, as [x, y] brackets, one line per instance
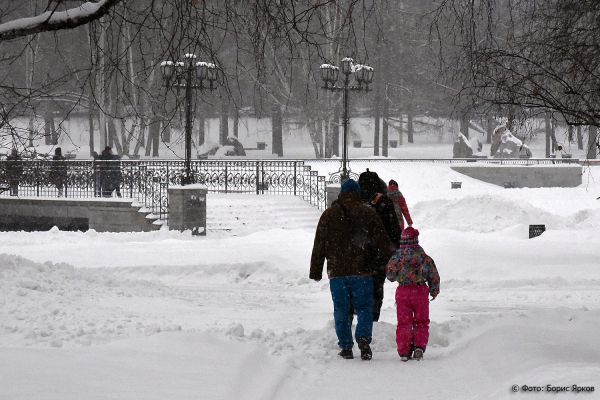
[400, 206]
[111, 175]
[347, 234]
[417, 277]
[14, 170]
[58, 172]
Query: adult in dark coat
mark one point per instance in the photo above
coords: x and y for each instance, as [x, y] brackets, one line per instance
[348, 234]
[110, 173]
[14, 170]
[58, 172]
[373, 193]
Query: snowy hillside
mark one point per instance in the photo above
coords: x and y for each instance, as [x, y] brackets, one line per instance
[233, 315]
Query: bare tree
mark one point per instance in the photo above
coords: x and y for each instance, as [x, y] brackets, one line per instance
[521, 55]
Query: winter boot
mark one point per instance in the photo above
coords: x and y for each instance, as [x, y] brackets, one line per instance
[365, 349]
[418, 354]
[404, 357]
[346, 354]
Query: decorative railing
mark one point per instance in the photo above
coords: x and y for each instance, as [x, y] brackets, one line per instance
[147, 181]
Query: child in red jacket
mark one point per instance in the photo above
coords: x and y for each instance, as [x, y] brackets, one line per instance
[399, 204]
[417, 278]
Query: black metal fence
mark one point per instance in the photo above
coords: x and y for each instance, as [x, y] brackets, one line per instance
[147, 181]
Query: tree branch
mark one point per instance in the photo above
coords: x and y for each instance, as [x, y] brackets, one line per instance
[54, 21]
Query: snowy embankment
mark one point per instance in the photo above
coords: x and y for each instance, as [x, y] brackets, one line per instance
[233, 316]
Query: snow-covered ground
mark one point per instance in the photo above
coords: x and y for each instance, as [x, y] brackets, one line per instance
[233, 315]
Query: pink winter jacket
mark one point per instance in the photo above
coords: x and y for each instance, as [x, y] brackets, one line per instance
[410, 265]
[399, 206]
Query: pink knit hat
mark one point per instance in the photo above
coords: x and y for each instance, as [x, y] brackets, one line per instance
[409, 236]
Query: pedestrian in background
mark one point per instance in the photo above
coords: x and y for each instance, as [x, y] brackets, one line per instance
[14, 170]
[58, 172]
[373, 193]
[111, 175]
[400, 206]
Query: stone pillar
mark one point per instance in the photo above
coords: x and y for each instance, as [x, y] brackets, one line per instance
[187, 208]
[332, 192]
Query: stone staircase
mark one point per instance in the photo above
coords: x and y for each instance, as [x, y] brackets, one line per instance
[238, 214]
[146, 220]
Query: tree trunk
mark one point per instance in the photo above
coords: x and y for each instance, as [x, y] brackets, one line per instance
[592, 149]
[125, 135]
[113, 138]
[377, 114]
[314, 137]
[401, 129]
[201, 128]
[166, 134]
[409, 127]
[224, 119]
[489, 129]
[31, 129]
[328, 137]
[384, 132]
[570, 134]
[277, 128]
[553, 136]
[141, 136]
[464, 124]
[335, 134]
[319, 133]
[579, 138]
[153, 136]
[236, 123]
[548, 125]
[91, 124]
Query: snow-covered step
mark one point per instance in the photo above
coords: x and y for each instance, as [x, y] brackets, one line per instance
[246, 213]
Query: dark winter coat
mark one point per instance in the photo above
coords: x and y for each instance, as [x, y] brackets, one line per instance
[348, 234]
[58, 171]
[14, 168]
[373, 193]
[110, 171]
[384, 207]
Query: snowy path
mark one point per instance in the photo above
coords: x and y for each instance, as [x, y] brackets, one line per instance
[233, 316]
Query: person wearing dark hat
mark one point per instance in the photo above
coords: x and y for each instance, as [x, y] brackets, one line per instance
[373, 193]
[349, 233]
[14, 170]
[400, 206]
[111, 175]
[58, 172]
[417, 277]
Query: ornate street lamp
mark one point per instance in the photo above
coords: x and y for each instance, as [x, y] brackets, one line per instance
[364, 77]
[189, 74]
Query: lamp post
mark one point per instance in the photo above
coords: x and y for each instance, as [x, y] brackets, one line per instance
[364, 76]
[189, 75]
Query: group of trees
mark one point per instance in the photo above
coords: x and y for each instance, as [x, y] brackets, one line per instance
[525, 59]
[458, 59]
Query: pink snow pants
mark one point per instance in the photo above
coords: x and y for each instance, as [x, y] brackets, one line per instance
[412, 305]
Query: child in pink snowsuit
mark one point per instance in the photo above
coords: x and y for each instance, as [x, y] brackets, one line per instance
[417, 278]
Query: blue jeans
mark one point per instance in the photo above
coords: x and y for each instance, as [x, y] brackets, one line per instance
[358, 292]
